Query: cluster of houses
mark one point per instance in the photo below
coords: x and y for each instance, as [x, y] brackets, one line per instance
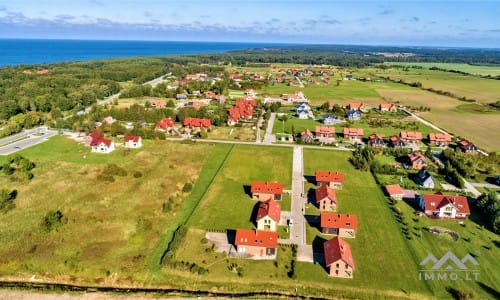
[263, 241]
[99, 144]
[338, 255]
[438, 205]
[242, 110]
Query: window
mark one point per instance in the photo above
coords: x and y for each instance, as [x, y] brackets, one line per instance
[338, 265]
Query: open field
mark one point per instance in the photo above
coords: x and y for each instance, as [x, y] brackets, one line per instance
[110, 228]
[449, 114]
[226, 204]
[471, 69]
[245, 133]
[481, 89]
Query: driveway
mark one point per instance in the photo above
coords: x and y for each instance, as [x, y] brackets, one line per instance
[270, 138]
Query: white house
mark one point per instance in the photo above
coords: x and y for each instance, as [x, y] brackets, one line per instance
[445, 206]
[102, 146]
[133, 141]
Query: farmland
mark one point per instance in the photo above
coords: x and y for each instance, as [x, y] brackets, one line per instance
[471, 69]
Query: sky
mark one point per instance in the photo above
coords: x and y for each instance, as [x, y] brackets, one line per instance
[473, 23]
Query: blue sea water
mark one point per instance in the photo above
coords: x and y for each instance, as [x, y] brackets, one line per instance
[34, 51]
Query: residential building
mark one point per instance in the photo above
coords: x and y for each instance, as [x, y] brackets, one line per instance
[306, 136]
[424, 179]
[354, 135]
[268, 215]
[108, 120]
[397, 142]
[304, 111]
[388, 107]
[256, 242]
[326, 198]
[165, 125]
[181, 96]
[416, 160]
[324, 132]
[338, 258]
[331, 120]
[197, 123]
[439, 139]
[100, 144]
[158, 103]
[395, 191]
[331, 179]
[445, 206]
[467, 147]
[342, 225]
[133, 141]
[355, 106]
[354, 115]
[376, 140]
[264, 191]
[411, 137]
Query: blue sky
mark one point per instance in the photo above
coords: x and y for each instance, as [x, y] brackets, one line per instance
[425, 22]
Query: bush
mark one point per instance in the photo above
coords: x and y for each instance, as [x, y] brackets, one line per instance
[7, 200]
[188, 187]
[53, 220]
[113, 169]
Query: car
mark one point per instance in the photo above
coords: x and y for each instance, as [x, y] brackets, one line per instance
[290, 222]
[17, 147]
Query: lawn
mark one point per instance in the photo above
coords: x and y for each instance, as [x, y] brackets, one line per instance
[471, 69]
[227, 204]
[245, 133]
[119, 222]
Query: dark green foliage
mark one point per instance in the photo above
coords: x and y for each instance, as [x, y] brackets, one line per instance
[362, 158]
[489, 205]
[188, 187]
[52, 220]
[7, 200]
[7, 169]
[137, 174]
[113, 169]
[18, 163]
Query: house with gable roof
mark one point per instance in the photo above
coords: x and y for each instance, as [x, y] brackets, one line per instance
[376, 140]
[100, 144]
[397, 142]
[338, 258]
[342, 225]
[411, 136]
[416, 160]
[165, 125]
[306, 136]
[264, 191]
[331, 179]
[439, 139]
[326, 198]
[424, 179]
[445, 206]
[256, 242]
[355, 135]
[467, 147]
[395, 191]
[389, 107]
[133, 141]
[268, 215]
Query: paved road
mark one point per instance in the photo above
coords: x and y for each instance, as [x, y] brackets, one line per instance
[485, 185]
[270, 138]
[26, 143]
[297, 231]
[260, 123]
[300, 81]
[11, 138]
[470, 188]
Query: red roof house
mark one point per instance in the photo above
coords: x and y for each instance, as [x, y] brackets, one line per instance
[376, 140]
[467, 147]
[100, 144]
[158, 103]
[331, 179]
[387, 107]
[256, 242]
[165, 124]
[196, 123]
[416, 160]
[338, 258]
[445, 206]
[395, 191]
[325, 132]
[264, 191]
[353, 134]
[355, 106]
[268, 215]
[133, 141]
[306, 136]
[326, 198]
[343, 225]
[411, 136]
[439, 139]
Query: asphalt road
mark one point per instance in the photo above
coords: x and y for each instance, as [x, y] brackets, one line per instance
[17, 136]
[297, 231]
[26, 143]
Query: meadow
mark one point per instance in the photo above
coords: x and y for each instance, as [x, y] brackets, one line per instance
[471, 69]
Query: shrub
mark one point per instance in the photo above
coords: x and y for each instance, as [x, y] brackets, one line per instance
[52, 220]
[188, 187]
[137, 174]
[7, 200]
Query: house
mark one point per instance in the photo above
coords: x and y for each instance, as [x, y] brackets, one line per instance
[89, 138]
[304, 111]
[424, 179]
[133, 141]
[101, 145]
[331, 179]
[236, 76]
[354, 115]
[264, 191]
[326, 198]
[445, 206]
[306, 136]
[395, 191]
[387, 107]
[355, 106]
[233, 116]
[342, 225]
[397, 142]
[439, 139]
[338, 258]
[376, 140]
[331, 120]
[165, 125]
[416, 160]
[268, 215]
[158, 103]
[349, 77]
[467, 147]
[250, 93]
[256, 242]
[324, 132]
[197, 123]
[353, 134]
[411, 137]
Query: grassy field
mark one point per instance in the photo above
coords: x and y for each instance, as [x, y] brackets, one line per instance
[110, 227]
[481, 89]
[245, 133]
[226, 204]
[471, 69]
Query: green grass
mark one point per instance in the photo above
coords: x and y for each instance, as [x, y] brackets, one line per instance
[471, 69]
[226, 204]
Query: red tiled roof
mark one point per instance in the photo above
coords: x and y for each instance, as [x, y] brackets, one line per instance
[336, 249]
[435, 201]
[386, 105]
[259, 238]
[165, 123]
[329, 176]
[306, 132]
[197, 122]
[353, 131]
[266, 187]
[269, 208]
[325, 130]
[355, 105]
[375, 136]
[410, 135]
[414, 156]
[333, 220]
[439, 137]
[97, 139]
[323, 192]
[134, 138]
[394, 189]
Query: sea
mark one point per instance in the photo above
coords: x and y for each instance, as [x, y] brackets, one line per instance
[39, 51]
